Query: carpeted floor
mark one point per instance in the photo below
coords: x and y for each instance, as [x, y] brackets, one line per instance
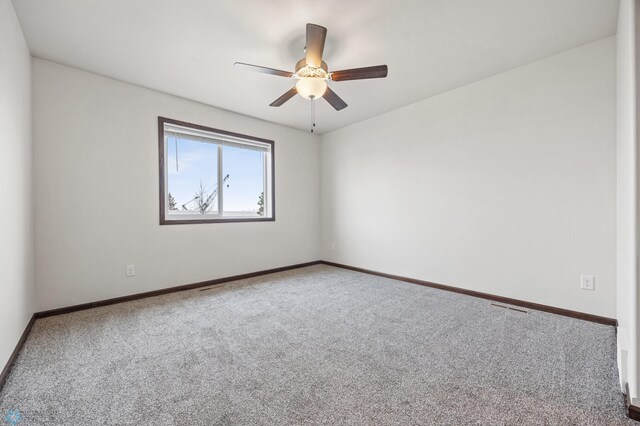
[317, 345]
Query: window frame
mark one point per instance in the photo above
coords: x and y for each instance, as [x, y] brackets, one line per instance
[219, 218]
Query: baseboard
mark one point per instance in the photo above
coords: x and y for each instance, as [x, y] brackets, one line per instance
[507, 300]
[16, 351]
[633, 412]
[122, 299]
[488, 296]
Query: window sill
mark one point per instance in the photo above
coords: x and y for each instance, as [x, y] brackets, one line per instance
[227, 220]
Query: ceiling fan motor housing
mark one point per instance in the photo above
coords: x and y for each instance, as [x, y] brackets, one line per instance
[303, 70]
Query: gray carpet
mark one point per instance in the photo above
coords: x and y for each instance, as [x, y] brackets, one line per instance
[318, 345]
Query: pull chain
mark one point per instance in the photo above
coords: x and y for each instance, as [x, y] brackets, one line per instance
[313, 115]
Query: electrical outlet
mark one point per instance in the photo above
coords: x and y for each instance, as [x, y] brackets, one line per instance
[332, 247]
[587, 282]
[131, 270]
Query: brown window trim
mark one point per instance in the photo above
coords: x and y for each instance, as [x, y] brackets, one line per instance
[164, 220]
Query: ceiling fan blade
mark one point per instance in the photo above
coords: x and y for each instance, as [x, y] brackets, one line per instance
[378, 71]
[265, 70]
[316, 36]
[334, 100]
[284, 98]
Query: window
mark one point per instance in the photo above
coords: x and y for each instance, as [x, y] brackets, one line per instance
[209, 175]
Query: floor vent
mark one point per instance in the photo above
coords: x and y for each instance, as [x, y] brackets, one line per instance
[510, 308]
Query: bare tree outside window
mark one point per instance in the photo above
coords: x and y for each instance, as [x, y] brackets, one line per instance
[203, 199]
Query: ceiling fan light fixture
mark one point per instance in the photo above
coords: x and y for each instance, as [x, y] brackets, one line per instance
[311, 87]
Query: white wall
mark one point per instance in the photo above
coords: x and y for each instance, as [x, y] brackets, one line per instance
[627, 301]
[96, 174]
[505, 186]
[16, 207]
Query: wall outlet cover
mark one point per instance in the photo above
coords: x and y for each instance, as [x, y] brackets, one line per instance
[587, 282]
[131, 270]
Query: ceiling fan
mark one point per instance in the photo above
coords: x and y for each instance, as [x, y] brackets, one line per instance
[312, 72]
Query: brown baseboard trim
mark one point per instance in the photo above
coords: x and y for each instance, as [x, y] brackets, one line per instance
[16, 351]
[501, 299]
[634, 412]
[507, 300]
[122, 299]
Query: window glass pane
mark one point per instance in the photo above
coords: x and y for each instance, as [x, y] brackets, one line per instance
[192, 174]
[243, 194]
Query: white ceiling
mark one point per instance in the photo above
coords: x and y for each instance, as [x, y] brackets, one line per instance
[187, 47]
